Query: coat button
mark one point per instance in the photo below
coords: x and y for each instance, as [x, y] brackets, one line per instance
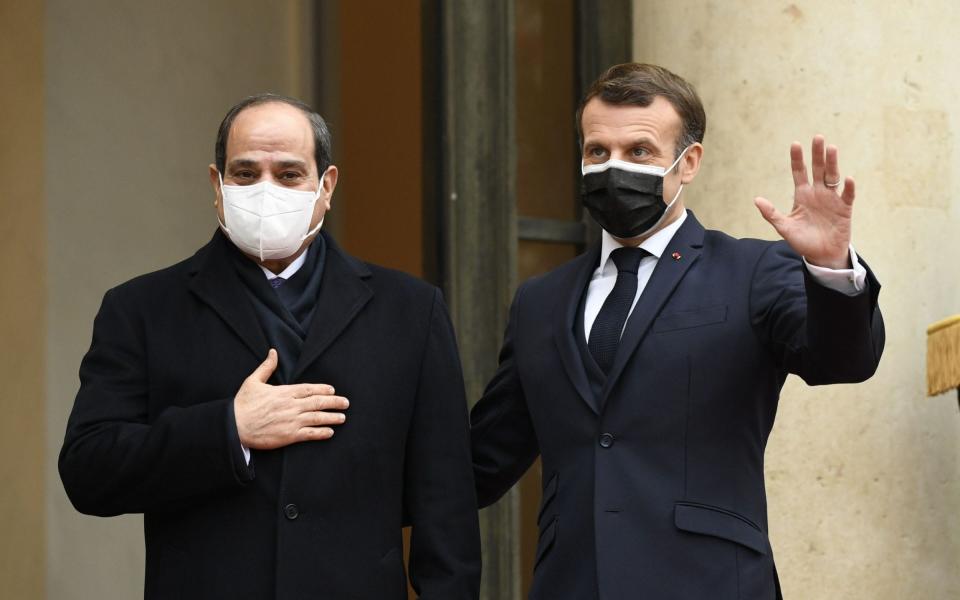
[291, 511]
[606, 440]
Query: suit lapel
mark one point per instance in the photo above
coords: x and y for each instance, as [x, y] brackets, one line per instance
[687, 244]
[216, 283]
[343, 293]
[565, 316]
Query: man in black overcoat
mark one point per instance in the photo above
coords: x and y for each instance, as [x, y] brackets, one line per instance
[276, 408]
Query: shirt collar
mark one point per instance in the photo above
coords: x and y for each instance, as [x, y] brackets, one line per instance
[291, 269]
[655, 244]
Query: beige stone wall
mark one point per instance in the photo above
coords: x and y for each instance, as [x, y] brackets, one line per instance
[134, 94]
[862, 480]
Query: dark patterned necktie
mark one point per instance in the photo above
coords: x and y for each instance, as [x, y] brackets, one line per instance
[605, 334]
[276, 282]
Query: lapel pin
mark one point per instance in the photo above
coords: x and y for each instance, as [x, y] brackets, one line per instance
[676, 256]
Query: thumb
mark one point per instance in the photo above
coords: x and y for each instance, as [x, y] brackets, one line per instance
[769, 212]
[266, 368]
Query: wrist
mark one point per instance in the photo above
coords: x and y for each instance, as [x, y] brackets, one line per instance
[836, 263]
[238, 424]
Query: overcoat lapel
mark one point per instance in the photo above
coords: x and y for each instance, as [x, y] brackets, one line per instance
[216, 282]
[343, 294]
[573, 288]
[682, 251]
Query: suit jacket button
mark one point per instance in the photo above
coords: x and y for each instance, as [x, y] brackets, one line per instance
[291, 511]
[606, 440]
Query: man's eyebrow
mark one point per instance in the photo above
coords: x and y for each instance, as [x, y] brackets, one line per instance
[291, 164]
[644, 140]
[242, 162]
[589, 143]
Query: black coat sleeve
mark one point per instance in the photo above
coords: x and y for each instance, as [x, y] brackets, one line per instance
[116, 457]
[503, 440]
[819, 334]
[439, 498]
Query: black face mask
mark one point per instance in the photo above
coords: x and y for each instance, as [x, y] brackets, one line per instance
[625, 203]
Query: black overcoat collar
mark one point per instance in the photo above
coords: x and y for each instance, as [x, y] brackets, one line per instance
[343, 294]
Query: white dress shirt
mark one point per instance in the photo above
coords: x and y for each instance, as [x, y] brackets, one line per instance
[846, 281]
[289, 272]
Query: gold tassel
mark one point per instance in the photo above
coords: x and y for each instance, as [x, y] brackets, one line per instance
[943, 356]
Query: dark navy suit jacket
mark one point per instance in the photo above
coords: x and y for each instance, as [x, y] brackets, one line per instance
[654, 488]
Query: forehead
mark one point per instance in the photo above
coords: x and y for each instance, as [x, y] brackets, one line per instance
[614, 123]
[270, 131]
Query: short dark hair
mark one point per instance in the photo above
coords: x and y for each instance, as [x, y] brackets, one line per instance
[638, 84]
[321, 134]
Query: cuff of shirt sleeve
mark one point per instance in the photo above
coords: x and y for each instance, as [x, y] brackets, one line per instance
[851, 282]
[239, 454]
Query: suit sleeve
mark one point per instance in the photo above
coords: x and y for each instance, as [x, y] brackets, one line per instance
[439, 497]
[501, 432]
[819, 334]
[117, 459]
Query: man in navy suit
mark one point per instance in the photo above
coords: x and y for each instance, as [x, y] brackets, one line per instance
[646, 372]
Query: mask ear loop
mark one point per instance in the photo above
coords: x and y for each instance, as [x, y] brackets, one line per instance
[675, 196]
[314, 230]
[222, 224]
[315, 199]
[680, 189]
[670, 168]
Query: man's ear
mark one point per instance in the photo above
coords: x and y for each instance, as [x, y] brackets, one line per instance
[214, 175]
[690, 163]
[329, 183]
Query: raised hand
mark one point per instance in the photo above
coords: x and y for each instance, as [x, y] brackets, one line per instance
[818, 227]
[273, 416]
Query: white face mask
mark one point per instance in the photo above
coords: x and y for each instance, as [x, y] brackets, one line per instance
[267, 220]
